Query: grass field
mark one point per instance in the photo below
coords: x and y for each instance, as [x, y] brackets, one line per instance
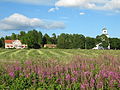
[57, 54]
[59, 69]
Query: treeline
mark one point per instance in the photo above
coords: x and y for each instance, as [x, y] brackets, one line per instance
[35, 39]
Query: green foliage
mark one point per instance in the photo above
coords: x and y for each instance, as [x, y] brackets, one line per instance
[14, 36]
[89, 43]
[54, 38]
[68, 41]
[115, 43]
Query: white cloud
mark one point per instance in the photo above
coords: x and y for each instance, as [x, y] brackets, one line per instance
[90, 4]
[82, 13]
[20, 22]
[53, 9]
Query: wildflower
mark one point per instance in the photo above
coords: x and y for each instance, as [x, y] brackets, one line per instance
[17, 68]
[92, 82]
[75, 72]
[12, 74]
[105, 75]
[87, 73]
[82, 86]
[68, 77]
[73, 79]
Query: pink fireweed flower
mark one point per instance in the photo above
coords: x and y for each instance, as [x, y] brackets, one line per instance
[75, 72]
[74, 79]
[87, 73]
[12, 74]
[104, 74]
[68, 77]
[92, 82]
[17, 68]
[82, 86]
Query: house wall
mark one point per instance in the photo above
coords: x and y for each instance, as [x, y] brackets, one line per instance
[7, 44]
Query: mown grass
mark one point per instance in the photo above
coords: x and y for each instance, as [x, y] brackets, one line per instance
[57, 54]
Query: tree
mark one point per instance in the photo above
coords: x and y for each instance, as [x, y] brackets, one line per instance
[13, 36]
[61, 41]
[32, 38]
[89, 43]
[78, 41]
[7, 37]
[46, 39]
[68, 41]
[40, 38]
[54, 38]
[114, 43]
[2, 42]
[22, 33]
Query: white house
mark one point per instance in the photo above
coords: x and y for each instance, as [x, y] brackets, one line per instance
[14, 44]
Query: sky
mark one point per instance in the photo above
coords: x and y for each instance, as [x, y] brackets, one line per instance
[86, 17]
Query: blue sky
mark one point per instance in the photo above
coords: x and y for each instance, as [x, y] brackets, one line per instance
[86, 17]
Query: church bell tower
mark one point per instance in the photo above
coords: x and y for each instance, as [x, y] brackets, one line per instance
[105, 32]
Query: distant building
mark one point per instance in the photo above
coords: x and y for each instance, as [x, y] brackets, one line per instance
[50, 46]
[14, 44]
[105, 32]
[98, 46]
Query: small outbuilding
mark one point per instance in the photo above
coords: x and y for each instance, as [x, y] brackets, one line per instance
[50, 46]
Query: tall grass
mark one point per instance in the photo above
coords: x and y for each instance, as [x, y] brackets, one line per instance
[82, 73]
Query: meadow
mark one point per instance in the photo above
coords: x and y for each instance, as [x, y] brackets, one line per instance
[59, 69]
[7, 55]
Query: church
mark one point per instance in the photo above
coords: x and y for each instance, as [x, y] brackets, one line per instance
[105, 32]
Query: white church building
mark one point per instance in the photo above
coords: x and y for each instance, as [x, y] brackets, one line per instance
[14, 44]
[105, 32]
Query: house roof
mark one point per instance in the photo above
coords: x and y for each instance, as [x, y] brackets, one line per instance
[9, 41]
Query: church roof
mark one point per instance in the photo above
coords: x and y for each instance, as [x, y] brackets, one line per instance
[104, 29]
